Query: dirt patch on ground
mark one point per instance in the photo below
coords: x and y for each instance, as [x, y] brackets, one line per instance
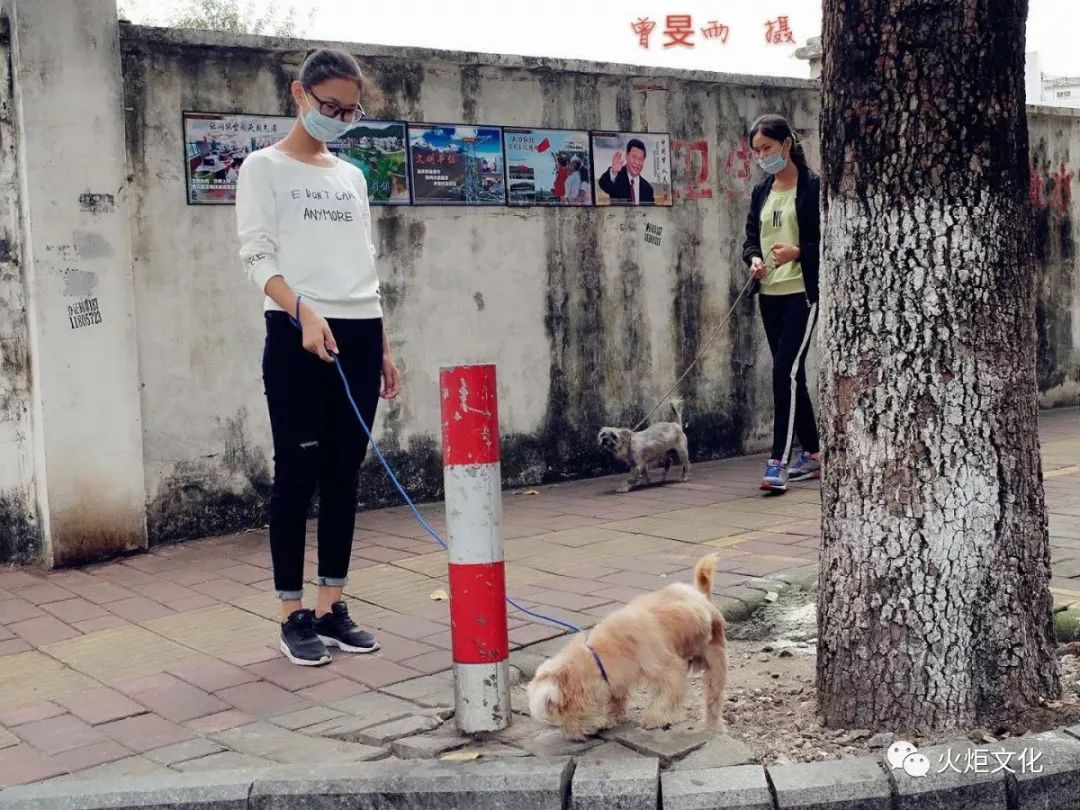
[772, 708]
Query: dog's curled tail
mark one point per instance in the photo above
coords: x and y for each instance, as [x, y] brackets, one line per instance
[703, 574]
[677, 407]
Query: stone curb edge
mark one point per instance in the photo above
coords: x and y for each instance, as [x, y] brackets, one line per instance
[562, 783]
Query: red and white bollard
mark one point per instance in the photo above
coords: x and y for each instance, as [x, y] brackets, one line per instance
[473, 482]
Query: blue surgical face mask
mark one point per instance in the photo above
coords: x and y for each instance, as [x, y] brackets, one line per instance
[323, 127]
[773, 164]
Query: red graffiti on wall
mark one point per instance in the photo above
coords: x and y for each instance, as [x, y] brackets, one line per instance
[739, 161]
[1051, 190]
[1035, 188]
[1061, 189]
[696, 177]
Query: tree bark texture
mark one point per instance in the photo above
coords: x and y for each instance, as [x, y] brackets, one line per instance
[934, 602]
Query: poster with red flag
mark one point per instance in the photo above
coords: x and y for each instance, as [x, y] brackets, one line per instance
[547, 167]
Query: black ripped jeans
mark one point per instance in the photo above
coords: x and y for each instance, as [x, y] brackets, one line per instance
[317, 443]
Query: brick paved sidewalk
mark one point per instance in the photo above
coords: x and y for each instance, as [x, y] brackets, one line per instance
[169, 659]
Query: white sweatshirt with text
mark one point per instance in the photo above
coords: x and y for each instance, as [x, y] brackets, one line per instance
[311, 225]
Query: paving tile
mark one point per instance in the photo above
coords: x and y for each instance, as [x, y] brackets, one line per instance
[12, 646]
[224, 590]
[217, 631]
[375, 672]
[32, 677]
[306, 717]
[435, 661]
[243, 573]
[146, 732]
[121, 768]
[262, 699]
[253, 656]
[179, 701]
[101, 593]
[29, 714]
[43, 630]
[14, 610]
[532, 633]
[219, 722]
[107, 622]
[335, 689]
[372, 709]
[88, 756]
[122, 653]
[284, 673]
[182, 752]
[22, 764]
[43, 593]
[396, 648]
[57, 734]
[102, 705]
[75, 610]
[281, 745]
[224, 761]
[211, 675]
[15, 578]
[139, 609]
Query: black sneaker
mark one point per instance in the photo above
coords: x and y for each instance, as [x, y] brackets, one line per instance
[299, 641]
[336, 629]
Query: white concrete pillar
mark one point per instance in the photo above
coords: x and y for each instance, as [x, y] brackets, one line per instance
[77, 261]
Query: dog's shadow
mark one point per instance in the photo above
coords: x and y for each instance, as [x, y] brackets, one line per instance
[643, 486]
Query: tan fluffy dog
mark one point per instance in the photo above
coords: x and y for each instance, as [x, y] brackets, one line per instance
[653, 642]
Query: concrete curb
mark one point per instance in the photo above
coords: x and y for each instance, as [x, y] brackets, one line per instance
[1050, 782]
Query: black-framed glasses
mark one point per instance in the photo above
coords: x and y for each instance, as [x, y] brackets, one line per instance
[332, 110]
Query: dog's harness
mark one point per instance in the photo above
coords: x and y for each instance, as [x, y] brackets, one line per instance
[599, 663]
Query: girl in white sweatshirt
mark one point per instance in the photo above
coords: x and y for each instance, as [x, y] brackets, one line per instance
[305, 240]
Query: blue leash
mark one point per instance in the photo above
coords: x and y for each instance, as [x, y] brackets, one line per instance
[401, 490]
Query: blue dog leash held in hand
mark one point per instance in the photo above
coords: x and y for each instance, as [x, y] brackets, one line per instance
[397, 484]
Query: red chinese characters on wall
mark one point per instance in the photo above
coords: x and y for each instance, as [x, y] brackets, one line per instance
[694, 173]
[679, 30]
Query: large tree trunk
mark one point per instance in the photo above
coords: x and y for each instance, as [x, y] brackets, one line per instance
[934, 602]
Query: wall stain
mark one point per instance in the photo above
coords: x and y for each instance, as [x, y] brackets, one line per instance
[213, 496]
[401, 83]
[399, 246]
[20, 533]
[470, 93]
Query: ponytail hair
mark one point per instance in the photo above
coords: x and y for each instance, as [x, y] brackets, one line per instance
[776, 127]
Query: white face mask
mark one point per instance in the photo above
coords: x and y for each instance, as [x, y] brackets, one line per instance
[323, 128]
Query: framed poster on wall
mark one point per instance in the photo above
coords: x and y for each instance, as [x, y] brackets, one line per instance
[456, 164]
[632, 168]
[547, 167]
[216, 145]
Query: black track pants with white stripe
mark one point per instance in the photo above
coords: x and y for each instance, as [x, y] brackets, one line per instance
[789, 323]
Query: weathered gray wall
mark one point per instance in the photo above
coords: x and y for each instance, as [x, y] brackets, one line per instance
[20, 535]
[1054, 134]
[586, 321]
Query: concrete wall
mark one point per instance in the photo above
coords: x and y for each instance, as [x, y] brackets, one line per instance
[587, 322]
[19, 521]
[73, 259]
[1054, 135]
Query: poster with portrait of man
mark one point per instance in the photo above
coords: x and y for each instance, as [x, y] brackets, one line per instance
[632, 168]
